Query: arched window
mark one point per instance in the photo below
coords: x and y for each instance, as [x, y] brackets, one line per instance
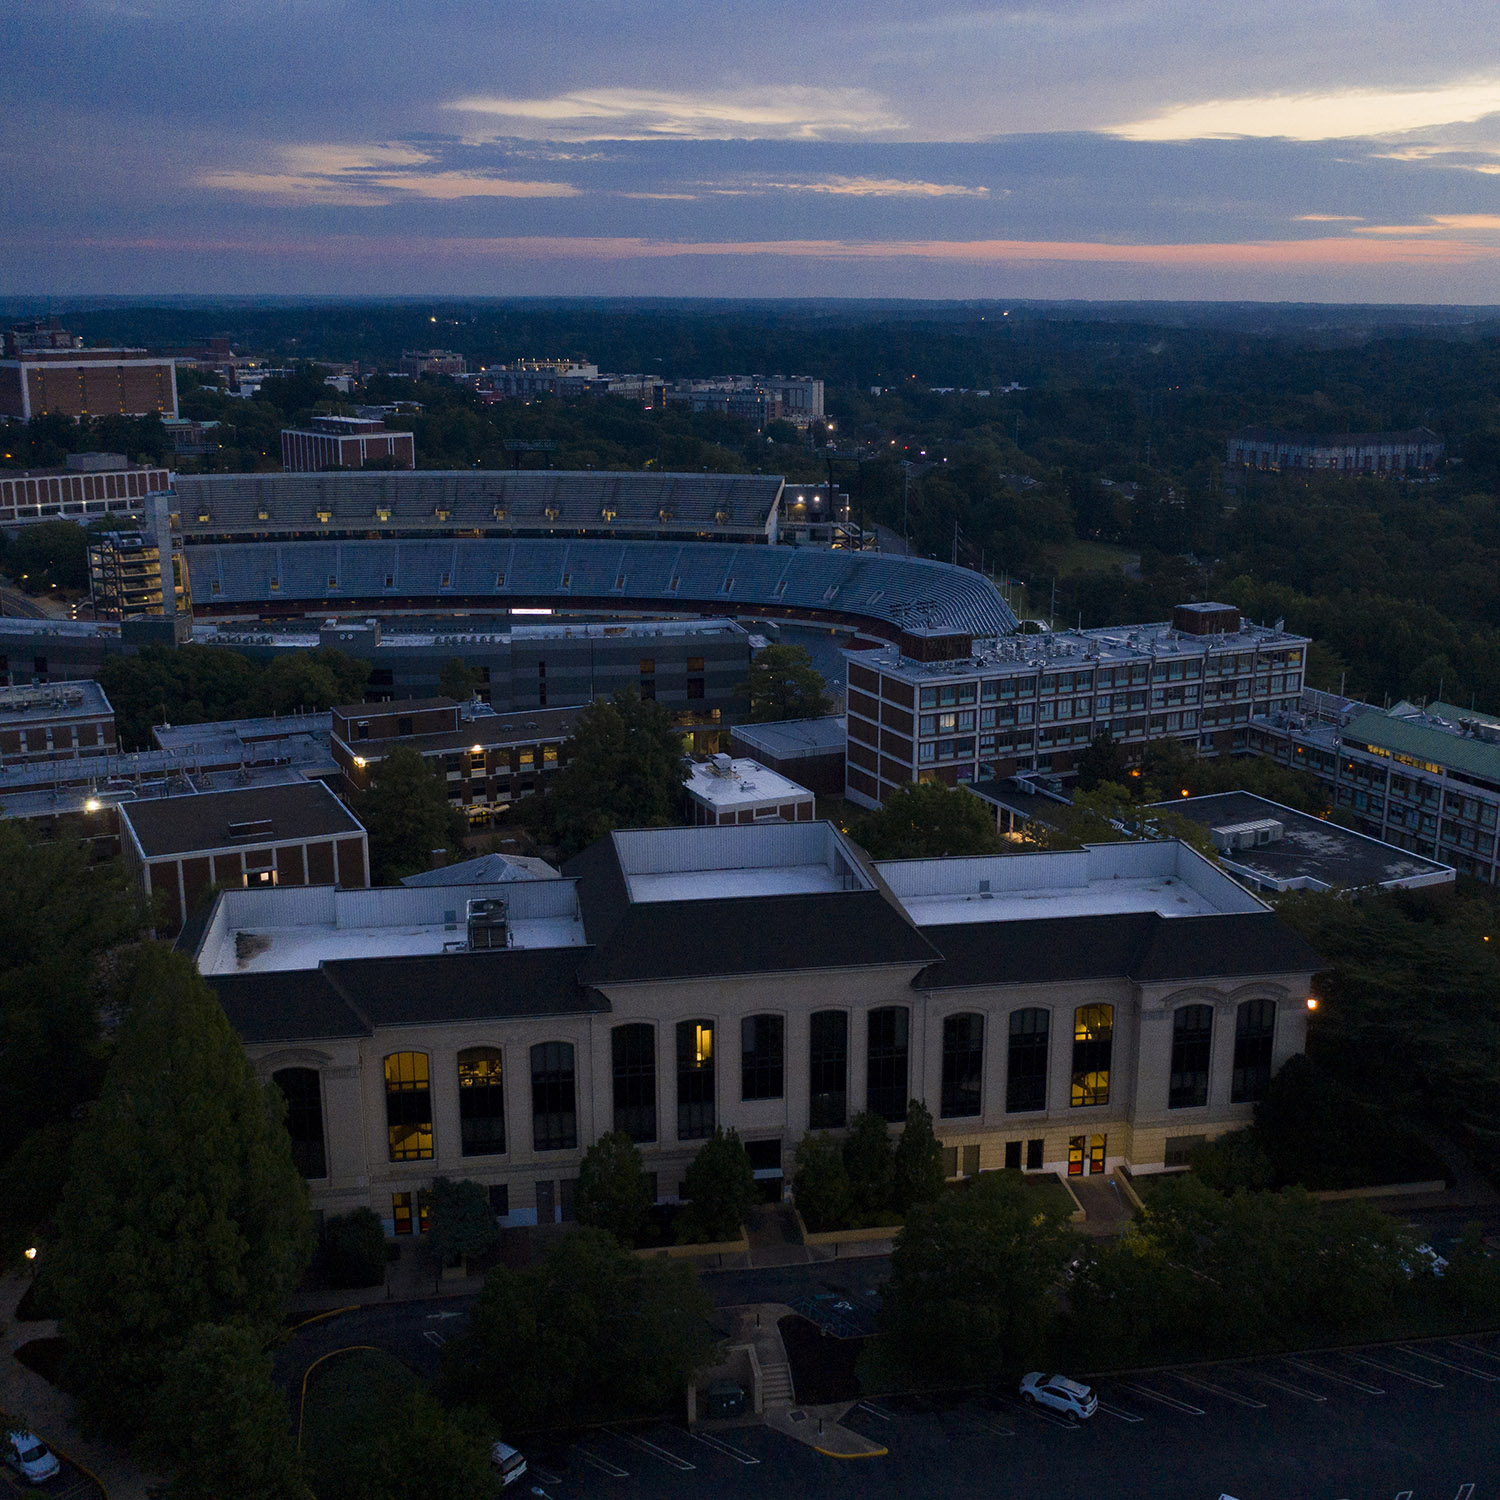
[963, 1065]
[1093, 1046]
[695, 1080]
[828, 1069]
[1026, 1065]
[408, 1106]
[481, 1101]
[762, 1057]
[887, 1059]
[1254, 1034]
[633, 1056]
[554, 1109]
[1192, 1043]
[304, 1118]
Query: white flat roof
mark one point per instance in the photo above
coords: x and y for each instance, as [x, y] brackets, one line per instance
[1161, 876]
[299, 927]
[694, 885]
[746, 784]
[764, 859]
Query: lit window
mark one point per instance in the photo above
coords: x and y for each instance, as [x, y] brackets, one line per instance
[408, 1106]
[481, 1101]
[1093, 1043]
[695, 1080]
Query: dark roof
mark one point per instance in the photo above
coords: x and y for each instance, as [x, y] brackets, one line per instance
[351, 997]
[166, 826]
[736, 934]
[1336, 439]
[1141, 946]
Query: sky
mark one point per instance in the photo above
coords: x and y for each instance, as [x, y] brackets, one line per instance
[1289, 150]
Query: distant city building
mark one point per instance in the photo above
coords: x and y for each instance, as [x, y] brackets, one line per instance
[90, 484]
[1418, 451]
[725, 790]
[191, 438]
[753, 398]
[177, 847]
[46, 370]
[807, 751]
[345, 443]
[431, 362]
[527, 379]
[56, 721]
[488, 760]
[1034, 702]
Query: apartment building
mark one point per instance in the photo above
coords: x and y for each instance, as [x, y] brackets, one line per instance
[1061, 1012]
[46, 370]
[1351, 454]
[1034, 702]
[345, 443]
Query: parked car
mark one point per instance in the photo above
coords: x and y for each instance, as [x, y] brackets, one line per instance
[510, 1463]
[1070, 1397]
[29, 1456]
[1428, 1263]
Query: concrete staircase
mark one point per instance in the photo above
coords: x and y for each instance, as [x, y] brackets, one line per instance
[776, 1385]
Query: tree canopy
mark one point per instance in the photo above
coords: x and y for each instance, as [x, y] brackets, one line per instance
[784, 684]
[927, 818]
[183, 1206]
[720, 1189]
[623, 768]
[612, 1193]
[407, 814]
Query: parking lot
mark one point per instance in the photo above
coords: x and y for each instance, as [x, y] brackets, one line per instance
[1418, 1421]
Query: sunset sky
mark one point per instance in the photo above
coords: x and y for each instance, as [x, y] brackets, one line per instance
[1305, 151]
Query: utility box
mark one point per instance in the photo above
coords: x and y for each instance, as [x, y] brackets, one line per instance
[724, 1399]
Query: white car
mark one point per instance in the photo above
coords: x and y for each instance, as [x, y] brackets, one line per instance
[1428, 1262]
[509, 1462]
[30, 1457]
[1070, 1397]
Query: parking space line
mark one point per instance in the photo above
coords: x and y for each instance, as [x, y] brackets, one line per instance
[1219, 1390]
[1337, 1377]
[1172, 1401]
[1474, 1349]
[1287, 1386]
[1447, 1364]
[546, 1476]
[602, 1464]
[980, 1420]
[1040, 1413]
[720, 1446]
[645, 1445]
[434, 1338]
[874, 1411]
[1465, 1491]
[1375, 1364]
[1120, 1412]
[1403, 1495]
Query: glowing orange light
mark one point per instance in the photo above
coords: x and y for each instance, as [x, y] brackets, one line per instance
[1312, 1002]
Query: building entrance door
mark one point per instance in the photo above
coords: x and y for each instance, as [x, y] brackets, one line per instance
[546, 1204]
[1097, 1144]
[1075, 1155]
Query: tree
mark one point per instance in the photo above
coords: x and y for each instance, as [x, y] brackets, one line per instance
[918, 1175]
[623, 768]
[309, 681]
[821, 1186]
[926, 819]
[612, 1193]
[460, 1221]
[871, 1161]
[184, 1206]
[48, 554]
[784, 684]
[354, 1248]
[1102, 761]
[458, 680]
[594, 1331]
[407, 814]
[220, 1424]
[974, 1279]
[720, 1187]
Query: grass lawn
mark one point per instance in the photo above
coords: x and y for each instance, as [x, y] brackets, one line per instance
[1087, 557]
[1051, 1194]
[350, 1399]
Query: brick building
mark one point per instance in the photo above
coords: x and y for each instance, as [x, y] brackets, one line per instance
[46, 370]
[345, 443]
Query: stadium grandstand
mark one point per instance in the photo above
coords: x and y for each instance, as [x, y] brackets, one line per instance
[897, 598]
[492, 503]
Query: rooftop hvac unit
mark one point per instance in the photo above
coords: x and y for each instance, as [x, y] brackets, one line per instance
[723, 764]
[488, 923]
[1250, 835]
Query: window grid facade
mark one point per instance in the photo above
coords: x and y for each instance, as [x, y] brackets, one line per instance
[888, 1062]
[554, 1105]
[1093, 1046]
[481, 1101]
[302, 1091]
[963, 1066]
[762, 1057]
[408, 1106]
[1254, 1035]
[1192, 1049]
[695, 1080]
[633, 1059]
[828, 1069]
[1026, 1071]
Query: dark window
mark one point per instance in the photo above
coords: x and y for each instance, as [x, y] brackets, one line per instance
[304, 1119]
[1093, 1044]
[648, 690]
[403, 726]
[695, 1080]
[408, 1106]
[888, 1056]
[499, 1199]
[695, 687]
[1180, 1148]
[554, 1113]
[481, 1101]
[1034, 1155]
[1013, 1156]
[1254, 1031]
[761, 1057]
[1192, 1038]
[828, 1064]
[1026, 1073]
[963, 1065]
[633, 1051]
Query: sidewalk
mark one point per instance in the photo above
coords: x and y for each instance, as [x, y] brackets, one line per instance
[49, 1411]
[1106, 1208]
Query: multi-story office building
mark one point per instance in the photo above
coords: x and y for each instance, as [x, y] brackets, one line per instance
[58, 722]
[345, 443]
[89, 485]
[47, 370]
[1382, 454]
[1427, 780]
[1033, 702]
[431, 362]
[1063, 1012]
[488, 760]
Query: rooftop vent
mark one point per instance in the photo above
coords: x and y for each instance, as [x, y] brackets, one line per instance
[255, 828]
[489, 926]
